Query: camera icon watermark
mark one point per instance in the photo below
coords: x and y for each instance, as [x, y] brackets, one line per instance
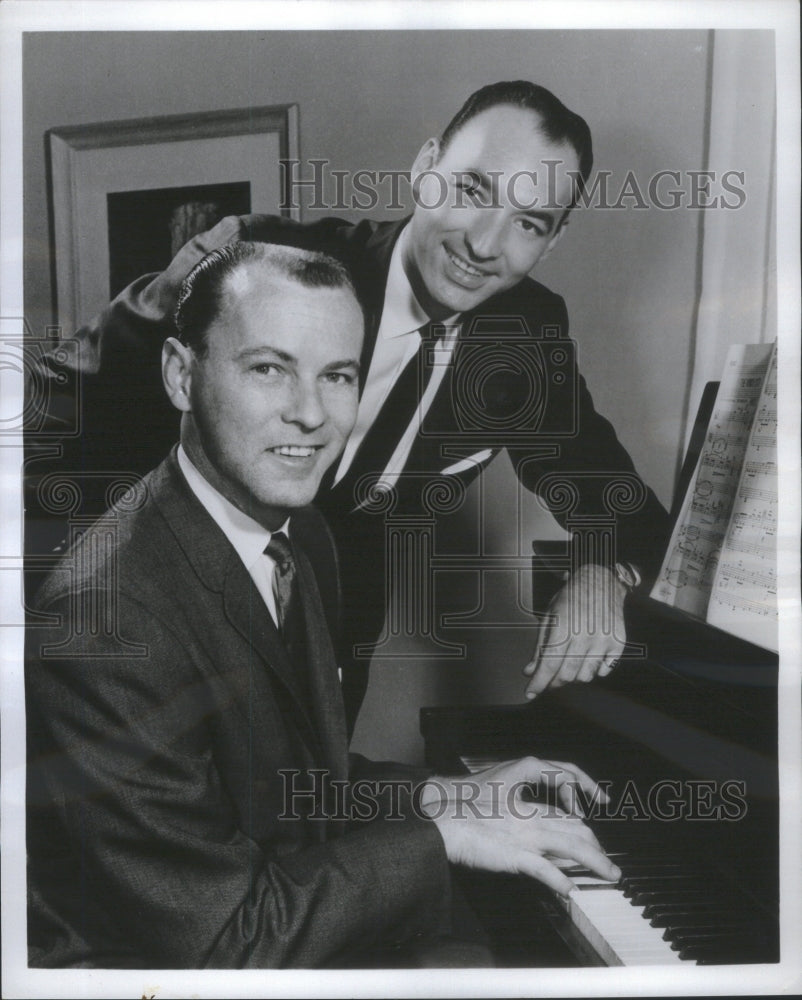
[40, 396]
[508, 383]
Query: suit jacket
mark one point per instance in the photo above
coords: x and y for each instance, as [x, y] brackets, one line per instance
[162, 710]
[513, 384]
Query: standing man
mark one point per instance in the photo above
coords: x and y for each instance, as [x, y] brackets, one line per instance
[191, 802]
[464, 355]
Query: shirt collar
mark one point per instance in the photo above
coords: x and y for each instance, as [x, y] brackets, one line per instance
[402, 313]
[248, 537]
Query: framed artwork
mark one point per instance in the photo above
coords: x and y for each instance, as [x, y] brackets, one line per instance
[126, 195]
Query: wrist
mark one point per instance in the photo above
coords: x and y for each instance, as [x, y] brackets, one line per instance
[628, 575]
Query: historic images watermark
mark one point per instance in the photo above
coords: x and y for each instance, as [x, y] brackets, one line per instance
[315, 794]
[322, 187]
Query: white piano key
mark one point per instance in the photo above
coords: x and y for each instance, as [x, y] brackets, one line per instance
[615, 928]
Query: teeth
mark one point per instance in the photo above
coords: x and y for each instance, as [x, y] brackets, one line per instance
[465, 266]
[293, 451]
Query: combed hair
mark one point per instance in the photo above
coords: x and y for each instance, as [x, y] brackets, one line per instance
[200, 300]
[557, 122]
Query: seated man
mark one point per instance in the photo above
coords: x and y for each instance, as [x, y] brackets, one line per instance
[191, 802]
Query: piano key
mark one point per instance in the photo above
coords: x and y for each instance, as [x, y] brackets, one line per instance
[613, 927]
[687, 896]
[682, 938]
[686, 926]
[696, 918]
[677, 882]
[727, 953]
[662, 910]
[707, 956]
[616, 930]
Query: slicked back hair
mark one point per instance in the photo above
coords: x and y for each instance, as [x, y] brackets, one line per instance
[201, 298]
[557, 123]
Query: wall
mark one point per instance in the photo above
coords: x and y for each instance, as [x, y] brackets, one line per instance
[368, 99]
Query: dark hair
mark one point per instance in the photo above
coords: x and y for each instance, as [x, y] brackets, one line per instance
[557, 122]
[200, 299]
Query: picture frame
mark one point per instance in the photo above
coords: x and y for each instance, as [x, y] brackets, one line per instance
[108, 180]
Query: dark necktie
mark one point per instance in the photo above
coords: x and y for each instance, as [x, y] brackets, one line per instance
[288, 605]
[397, 410]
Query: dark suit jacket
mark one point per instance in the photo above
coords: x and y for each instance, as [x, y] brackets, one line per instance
[161, 709]
[513, 384]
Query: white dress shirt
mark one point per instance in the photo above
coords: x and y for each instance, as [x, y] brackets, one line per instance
[397, 342]
[247, 536]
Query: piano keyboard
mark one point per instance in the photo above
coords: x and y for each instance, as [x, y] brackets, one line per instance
[613, 926]
[662, 912]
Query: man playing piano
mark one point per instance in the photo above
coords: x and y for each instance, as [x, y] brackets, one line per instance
[191, 801]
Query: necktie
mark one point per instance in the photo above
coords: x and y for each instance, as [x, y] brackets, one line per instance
[288, 604]
[280, 551]
[397, 411]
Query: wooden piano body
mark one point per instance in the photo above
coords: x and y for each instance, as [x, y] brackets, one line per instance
[688, 738]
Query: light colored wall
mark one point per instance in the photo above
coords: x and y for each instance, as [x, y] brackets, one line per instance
[367, 100]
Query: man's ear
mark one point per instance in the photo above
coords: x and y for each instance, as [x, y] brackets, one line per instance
[427, 157]
[177, 361]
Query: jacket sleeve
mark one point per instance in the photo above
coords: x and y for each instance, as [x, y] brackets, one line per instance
[135, 842]
[572, 458]
[138, 320]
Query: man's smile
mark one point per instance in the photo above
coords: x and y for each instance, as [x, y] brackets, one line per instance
[465, 271]
[295, 450]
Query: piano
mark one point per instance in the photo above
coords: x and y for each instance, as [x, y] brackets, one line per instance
[685, 740]
[684, 733]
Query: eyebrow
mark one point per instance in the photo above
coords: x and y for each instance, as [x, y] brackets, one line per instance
[531, 213]
[290, 359]
[550, 220]
[346, 363]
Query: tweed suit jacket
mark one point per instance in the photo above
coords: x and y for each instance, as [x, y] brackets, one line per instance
[162, 711]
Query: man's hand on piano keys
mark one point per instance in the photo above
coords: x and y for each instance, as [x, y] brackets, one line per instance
[489, 820]
[584, 634]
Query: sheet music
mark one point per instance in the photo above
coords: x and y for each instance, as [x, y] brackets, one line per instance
[688, 572]
[744, 595]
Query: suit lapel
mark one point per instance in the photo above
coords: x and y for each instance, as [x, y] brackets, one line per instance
[247, 612]
[220, 569]
[324, 684]
[369, 260]
[370, 265]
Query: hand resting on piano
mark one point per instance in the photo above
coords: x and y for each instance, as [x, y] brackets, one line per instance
[491, 820]
[592, 598]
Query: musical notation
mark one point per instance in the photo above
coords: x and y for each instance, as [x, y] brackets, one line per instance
[743, 599]
[721, 563]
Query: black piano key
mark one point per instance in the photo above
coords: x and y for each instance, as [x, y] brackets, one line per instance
[693, 917]
[707, 956]
[750, 938]
[631, 886]
[636, 865]
[729, 953]
[666, 911]
[715, 926]
[682, 896]
[707, 904]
